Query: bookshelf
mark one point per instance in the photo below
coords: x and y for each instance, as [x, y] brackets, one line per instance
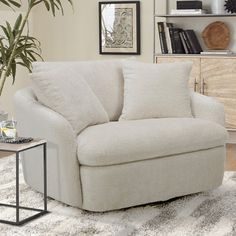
[161, 12]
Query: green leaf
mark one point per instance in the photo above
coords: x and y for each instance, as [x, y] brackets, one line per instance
[3, 54]
[47, 5]
[52, 7]
[5, 31]
[5, 3]
[13, 71]
[18, 23]
[60, 6]
[10, 3]
[15, 3]
[9, 31]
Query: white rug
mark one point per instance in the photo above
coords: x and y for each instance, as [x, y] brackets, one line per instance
[210, 213]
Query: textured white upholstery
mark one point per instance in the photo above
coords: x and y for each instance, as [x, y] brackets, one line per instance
[156, 90]
[104, 78]
[122, 142]
[67, 93]
[118, 186]
[135, 162]
[36, 120]
[207, 108]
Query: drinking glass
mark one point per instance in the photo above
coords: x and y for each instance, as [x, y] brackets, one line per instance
[8, 129]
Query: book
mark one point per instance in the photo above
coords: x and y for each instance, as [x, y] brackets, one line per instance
[194, 43]
[171, 31]
[178, 46]
[188, 12]
[162, 37]
[190, 50]
[189, 4]
[186, 49]
[168, 38]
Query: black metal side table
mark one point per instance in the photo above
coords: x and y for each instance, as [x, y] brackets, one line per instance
[17, 149]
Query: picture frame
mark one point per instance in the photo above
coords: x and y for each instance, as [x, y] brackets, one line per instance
[119, 27]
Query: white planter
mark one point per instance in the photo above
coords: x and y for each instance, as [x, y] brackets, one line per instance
[217, 7]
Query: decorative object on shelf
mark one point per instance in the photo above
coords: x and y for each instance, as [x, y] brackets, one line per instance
[216, 36]
[189, 5]
[230, 6]
[218, 7]
[17, 48]
[119, 27]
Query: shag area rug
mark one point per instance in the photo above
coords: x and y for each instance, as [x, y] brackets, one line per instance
[209, 213]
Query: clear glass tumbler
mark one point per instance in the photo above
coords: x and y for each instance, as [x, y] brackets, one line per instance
[8, 129]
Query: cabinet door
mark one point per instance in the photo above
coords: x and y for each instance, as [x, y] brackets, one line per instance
[219, 76]
[194, 82]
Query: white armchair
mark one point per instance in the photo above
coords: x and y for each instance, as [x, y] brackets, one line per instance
[122, 164]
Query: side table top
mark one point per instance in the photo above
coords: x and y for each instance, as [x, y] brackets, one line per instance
[22, 146]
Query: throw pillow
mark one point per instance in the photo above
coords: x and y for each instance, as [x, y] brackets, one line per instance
[67, 93]
[156, 90]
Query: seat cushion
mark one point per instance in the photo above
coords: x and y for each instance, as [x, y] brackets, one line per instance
[128, 141]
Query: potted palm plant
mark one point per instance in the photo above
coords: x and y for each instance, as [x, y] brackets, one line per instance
[17, 48]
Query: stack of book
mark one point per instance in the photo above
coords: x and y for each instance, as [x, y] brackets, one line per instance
[176, 40]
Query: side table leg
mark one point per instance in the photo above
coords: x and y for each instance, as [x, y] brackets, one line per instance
[17, 187]
[45, 174]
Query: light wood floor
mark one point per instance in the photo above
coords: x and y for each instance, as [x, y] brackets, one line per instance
[230, 163]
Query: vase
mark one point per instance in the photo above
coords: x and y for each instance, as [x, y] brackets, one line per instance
[217, 7]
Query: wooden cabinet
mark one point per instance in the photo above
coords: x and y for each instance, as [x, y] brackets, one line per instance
[219, 78]
[194, 81]
[214, 77]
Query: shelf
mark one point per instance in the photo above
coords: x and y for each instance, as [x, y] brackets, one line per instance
[195, 55]
[200, 15]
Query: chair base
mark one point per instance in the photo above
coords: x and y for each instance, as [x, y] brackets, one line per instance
[120, 186]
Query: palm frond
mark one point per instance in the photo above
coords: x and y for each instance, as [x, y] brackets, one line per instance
[11, 3]
[52, 5]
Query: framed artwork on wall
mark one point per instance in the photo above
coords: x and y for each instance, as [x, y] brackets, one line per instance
[119, 27]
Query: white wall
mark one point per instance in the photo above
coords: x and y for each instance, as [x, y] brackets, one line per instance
[76, 36]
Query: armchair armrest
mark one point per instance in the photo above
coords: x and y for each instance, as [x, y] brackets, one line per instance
[36, 120]
[207, 108]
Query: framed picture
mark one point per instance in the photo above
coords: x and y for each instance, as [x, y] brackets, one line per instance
[119, 26]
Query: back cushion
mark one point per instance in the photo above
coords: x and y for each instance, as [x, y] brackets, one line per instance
[105, 78]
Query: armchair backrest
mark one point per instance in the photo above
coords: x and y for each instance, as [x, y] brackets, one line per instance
[104, 77]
